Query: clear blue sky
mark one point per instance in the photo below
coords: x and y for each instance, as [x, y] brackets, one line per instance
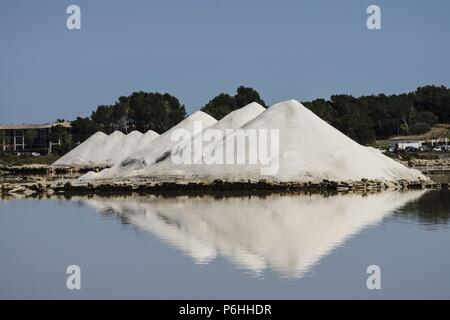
[195, 49]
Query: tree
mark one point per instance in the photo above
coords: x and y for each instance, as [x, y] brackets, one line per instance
[154, 111]
[30, 137]
[323, 109]
[220, 106]
[141, 111]
[61, 134]
[246, 95]
[83, 128]
[103, 117]
[223, 104]
[351, 119]
[434, 99]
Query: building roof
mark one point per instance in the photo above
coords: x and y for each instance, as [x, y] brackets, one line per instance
[33, 126]
[437, 132]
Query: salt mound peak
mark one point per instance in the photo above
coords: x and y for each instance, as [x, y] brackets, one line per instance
[199, 116]
[81, 155]
[134, 133]
[96, 135]
[117, 133]
[239, 117]
[151, 133]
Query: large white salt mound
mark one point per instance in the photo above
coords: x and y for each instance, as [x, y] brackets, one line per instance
[144, 157]
[233, 120]
[83, 154]
[309, 150]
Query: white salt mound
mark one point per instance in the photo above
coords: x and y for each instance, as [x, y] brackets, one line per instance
[309, 150]
[83, 154]
[103, 150]
[148, 155]
[233, 120]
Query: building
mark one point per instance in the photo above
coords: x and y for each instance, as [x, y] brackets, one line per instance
[437, 136]
[29, 137]
[402, 143]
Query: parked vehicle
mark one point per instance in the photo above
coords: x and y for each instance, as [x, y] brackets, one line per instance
[438, 149]
[411, 149]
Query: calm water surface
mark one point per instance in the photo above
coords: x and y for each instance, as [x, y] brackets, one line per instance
[278, 246]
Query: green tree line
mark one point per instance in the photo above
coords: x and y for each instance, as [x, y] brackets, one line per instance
[367, 118]
[363, 119]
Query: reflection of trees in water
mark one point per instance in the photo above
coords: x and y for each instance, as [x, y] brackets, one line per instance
[433, 208]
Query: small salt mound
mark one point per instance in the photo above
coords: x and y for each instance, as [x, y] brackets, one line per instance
[233, 120]
[149, 154]
[142, 143]
[101, 150]
[309, 150]
[82, 154]
[120, 145]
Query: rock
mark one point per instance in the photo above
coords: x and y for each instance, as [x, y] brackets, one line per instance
[28, 192]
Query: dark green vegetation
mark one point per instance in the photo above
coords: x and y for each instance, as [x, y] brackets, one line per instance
[223, 104]
[367, 118]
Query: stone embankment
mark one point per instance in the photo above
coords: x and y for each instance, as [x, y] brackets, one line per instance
[430, 164]
[47, 169]
[48, 188]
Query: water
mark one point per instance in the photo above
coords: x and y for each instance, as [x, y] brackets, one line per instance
[277, 246]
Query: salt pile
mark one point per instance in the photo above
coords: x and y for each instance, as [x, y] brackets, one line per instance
[149, 154]
[118, 146]
[103, 150]
[309, 150]
[233, 120]
[85, 153]
[132, 142]
[306, 149]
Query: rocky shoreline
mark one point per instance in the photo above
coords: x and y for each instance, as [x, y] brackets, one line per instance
[48, 169]
[432, 164]
[42, 187]
[435, 164]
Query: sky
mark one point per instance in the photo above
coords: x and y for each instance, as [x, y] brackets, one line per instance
[196, 49]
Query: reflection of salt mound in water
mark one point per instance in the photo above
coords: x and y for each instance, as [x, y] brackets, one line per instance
[155, 150]
[233, 120]
[286, 233]
[309, 150]
[86, 153]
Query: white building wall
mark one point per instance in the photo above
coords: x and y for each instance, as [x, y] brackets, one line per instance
[403, 144]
